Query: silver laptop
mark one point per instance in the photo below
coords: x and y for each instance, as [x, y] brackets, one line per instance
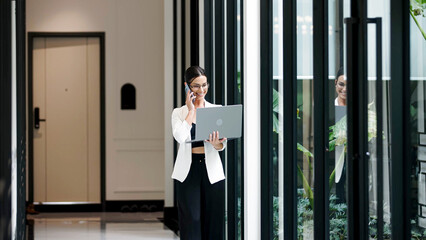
[225, 119]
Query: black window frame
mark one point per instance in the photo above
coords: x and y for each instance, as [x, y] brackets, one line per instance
[357, 111]
[225, 76]
[400, 120]
[232, 95]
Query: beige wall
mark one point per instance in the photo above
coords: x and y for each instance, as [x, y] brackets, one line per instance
[134, 31]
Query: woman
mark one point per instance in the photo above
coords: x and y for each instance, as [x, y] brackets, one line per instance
[339, 165]
[198, 168]
[340, 84]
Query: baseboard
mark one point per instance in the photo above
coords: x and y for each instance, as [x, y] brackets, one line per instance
[135, 206]
[87, 207]
[110, 206]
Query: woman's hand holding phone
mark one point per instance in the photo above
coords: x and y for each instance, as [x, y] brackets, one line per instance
[190, 98]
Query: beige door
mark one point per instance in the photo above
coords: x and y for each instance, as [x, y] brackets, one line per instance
[66, 89]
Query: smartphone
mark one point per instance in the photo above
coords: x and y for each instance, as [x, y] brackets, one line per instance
[188, 90]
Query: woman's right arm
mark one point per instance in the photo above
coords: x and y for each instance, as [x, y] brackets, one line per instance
[181, 129]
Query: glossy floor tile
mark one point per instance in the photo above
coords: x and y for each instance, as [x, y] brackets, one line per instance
[98, 226]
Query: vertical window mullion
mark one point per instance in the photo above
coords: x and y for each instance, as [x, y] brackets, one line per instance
[321, 228]
[232, 164]
[219, 52]
[266, 119]
[194, 36]
[290, 101]
[208, 43]
[400, 126]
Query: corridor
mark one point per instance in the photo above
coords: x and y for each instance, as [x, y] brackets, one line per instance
[98, 226]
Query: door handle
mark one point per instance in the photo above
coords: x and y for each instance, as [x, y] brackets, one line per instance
[379, 110]
[37, 119]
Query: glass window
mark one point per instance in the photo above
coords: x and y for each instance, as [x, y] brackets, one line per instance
[417, 118]
[337, 88]
[305, 120]
[278, 135]
[379, 163]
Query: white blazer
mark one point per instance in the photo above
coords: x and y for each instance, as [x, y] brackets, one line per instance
[182, 133]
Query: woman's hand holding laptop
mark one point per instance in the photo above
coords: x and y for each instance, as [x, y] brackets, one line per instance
[215, 140]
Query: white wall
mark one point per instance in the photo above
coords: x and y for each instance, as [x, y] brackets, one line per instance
[168, 101]
[134, 30]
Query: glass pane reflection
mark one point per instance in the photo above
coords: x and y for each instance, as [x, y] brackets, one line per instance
[278, 212]
[378, 9]
[417, 120]
[305, 120]
[337, 162]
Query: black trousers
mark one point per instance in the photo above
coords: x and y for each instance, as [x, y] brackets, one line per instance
[341, 187]
[201, 205]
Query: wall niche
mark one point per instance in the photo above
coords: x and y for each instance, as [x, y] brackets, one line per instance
[128, 97]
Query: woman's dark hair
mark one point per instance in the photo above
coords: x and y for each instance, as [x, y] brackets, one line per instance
[192, 73]
[339, 73]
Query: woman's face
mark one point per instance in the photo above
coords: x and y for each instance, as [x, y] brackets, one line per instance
[199, 87]
[341, 87]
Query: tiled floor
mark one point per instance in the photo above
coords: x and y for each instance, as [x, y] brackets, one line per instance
[98, 226]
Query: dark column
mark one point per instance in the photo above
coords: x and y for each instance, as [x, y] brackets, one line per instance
[290, 109]
[266, 119]
[400, 126]
[21, 118]
[321, 99]
[5, 119]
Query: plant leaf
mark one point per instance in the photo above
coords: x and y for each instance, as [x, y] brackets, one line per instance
[308, 191]
[305, 151]
[332, 145]
[275, 124]
[275, 100]
[331, 179]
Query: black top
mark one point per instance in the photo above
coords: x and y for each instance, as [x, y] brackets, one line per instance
[195, 144]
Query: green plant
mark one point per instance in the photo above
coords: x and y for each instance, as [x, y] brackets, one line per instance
[417, 8]
[305, 215]
[306, 153]
[337, 137]
[338, 220]
[337, 211]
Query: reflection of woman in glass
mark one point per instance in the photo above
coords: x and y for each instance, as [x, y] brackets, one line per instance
[340, 84]
[198, 169]
[340, 103]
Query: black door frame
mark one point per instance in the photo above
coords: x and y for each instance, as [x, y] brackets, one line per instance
[31, 36]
